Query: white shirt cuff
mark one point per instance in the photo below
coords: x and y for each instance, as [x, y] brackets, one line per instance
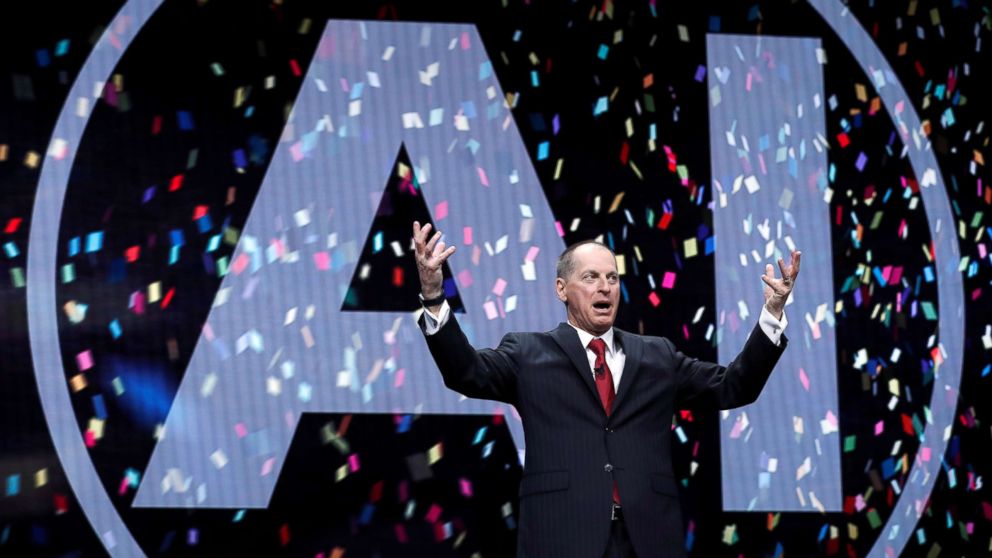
[772, 327]
[433, 323]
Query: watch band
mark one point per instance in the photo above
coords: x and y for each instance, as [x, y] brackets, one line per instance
[428, 302]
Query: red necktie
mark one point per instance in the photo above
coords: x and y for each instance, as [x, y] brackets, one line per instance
[604, 384]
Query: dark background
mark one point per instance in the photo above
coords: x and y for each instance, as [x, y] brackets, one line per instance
[134, 141]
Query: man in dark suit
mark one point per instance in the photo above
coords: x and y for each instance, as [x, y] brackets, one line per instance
[596, 404]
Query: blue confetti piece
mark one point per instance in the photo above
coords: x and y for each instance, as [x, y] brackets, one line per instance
[485, 70]
[604, 51]
[602, 104]
[356, 91]
[43, 58]
[714, 24]
[94, 242]
[184, 119]
[240, 161]
[213, 243]
[366, 516]
[62, 47]
[115, 329]
[11, 249]
[468, 109]
[537, 122]
[479, 435]
[238, 516]
[928, 274]
[176, 237]
[377, 243]
[542, 150]
[487, 449]
[174, 255]
[204, 223]
[99, 407]
[148, 195]
[74, 246]
[535, 80]
[556, 125]
[13, 484]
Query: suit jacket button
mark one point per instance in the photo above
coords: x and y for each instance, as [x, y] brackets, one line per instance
[608, 468]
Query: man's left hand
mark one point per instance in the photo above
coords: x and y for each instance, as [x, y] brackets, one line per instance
[777, 291]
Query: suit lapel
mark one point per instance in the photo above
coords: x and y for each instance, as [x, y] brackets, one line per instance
[633, 348]
[567, 338]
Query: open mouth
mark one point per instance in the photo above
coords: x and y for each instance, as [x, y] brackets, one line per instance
[602, 305]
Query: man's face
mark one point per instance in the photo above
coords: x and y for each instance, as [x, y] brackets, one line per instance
[592, 291]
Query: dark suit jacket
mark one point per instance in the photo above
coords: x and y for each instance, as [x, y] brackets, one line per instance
[574, 452]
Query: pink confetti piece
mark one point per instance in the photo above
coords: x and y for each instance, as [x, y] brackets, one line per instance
[353, 463]
[267, 466]
[532, 254]
[499, 287]
[466, 487]
[398, 378]
[433, 513]
[90, 439]
[467, 236]
[241, 430]
[482, 176]
[560, 229]
[804, 379]
[465, 278]
[322, 260]
[668, 281]
[84, 360]
[490, 309]
[440, 211]
[466, 44]
[879, 427]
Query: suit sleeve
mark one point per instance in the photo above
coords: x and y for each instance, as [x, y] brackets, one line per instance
[707, 385]
[484, 374]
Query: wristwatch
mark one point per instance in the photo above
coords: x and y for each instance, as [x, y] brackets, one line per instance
[428, 302]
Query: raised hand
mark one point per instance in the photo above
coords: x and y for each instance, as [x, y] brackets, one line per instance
[777, 291]
[431, 255]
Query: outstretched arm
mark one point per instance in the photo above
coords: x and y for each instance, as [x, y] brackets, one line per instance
[485, 374]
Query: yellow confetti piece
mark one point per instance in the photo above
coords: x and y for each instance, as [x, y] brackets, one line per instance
[435, 453]
[96, 427]
[31, 159]
[621, 264]
[154, 292]
[561, 163]
[690, 247]
[341, 473]
[3, 151]
[40, 478]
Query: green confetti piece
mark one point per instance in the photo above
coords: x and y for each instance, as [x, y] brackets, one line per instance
[929, 311]
[850, 442]
[873, 519]
[68, 273]
[17, 277]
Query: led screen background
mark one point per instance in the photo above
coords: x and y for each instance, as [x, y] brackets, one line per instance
[205, 81]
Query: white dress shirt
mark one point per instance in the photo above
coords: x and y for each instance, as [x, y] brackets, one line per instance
[615, 357]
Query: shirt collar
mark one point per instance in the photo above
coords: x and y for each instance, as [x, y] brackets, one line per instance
[585, 337]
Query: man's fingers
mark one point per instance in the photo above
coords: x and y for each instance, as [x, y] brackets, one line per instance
[797, 257]
[432, 243]
[781, 267]
[438, 249]
[769, 270]
[768, 281]
[443, 256]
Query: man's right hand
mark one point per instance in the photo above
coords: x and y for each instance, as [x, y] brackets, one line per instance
[431, 255]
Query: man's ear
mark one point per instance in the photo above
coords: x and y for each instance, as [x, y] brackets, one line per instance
[560, 290]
